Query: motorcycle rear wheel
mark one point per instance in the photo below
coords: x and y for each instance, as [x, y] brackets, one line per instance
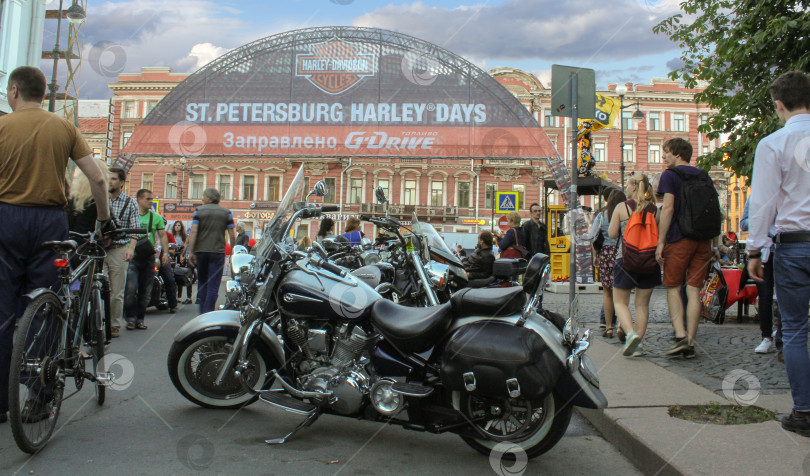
[193, 366]
[540, 437]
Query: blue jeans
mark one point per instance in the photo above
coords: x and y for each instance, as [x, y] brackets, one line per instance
[140, 278]
[792, 280]
[209, 275]
[24, 267]
[167, 273]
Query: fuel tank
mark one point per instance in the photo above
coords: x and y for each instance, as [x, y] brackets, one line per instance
[376, 273]
[325, 296]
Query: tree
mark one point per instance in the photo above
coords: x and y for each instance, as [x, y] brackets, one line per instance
[738, 47]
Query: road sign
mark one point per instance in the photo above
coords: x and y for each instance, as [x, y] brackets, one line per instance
[561, 91]
[507, 201]
[503, 223]
[156, 206]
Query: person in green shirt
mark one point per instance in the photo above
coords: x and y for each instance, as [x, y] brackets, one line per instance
[141, 271]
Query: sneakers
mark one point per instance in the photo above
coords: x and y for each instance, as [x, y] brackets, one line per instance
[639, 351]
[35, 410]
[679, 346]
[797, 423]
[115, 332]
[630, 346]
[187, 301]
[689, 352]
[766, 346]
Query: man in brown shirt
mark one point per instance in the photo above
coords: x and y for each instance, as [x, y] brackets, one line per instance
[35, 146]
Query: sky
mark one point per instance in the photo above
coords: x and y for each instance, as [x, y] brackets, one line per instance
[614, 38]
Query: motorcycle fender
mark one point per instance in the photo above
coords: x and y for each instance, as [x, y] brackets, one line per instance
[226, 322]
[572, 386]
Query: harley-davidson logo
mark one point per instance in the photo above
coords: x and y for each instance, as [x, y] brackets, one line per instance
[335, 65]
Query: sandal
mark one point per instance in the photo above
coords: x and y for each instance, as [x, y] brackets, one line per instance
[140, 325]
[608, 333]
[130, 327]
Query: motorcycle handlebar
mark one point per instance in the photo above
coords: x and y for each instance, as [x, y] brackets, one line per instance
[330, 208]
[333, 268]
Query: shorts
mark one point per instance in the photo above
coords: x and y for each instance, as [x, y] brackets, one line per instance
[623, 279]
[688, 257]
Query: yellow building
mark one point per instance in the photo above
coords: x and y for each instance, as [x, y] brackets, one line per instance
[737, 195]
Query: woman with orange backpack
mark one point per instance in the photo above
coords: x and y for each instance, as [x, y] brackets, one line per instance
[635, 222]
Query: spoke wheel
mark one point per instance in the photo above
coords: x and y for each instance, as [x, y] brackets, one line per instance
[37, 374]
[194, 366]
[534, 426]
[96, 324]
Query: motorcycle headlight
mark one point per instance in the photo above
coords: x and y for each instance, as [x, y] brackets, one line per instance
[438, 273]
[369, 258]
[233, 290]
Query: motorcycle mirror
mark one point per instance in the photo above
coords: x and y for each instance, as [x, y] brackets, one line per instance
[379, 192]
[321, 189]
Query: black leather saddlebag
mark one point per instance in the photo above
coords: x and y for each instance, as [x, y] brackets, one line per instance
[498, 360]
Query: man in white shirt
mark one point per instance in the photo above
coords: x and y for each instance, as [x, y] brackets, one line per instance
[781, 182]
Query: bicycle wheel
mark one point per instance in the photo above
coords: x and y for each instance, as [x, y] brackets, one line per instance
[99, 317]
[37, 375]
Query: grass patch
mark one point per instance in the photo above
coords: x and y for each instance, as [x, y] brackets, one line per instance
[719, 414]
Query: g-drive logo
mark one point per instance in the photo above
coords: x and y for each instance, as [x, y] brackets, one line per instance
[336, 65]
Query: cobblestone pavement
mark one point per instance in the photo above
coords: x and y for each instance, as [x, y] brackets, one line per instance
[720, 349]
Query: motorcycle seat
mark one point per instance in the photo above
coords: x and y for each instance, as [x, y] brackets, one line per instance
[411, 329]
[490, 302]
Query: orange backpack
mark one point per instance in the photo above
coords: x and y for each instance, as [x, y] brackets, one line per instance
[640, 240]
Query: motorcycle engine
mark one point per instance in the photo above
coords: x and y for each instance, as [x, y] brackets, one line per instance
[341, 372]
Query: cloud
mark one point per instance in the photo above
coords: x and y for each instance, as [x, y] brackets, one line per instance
[534, 29]
[181, 34]
[674, 64]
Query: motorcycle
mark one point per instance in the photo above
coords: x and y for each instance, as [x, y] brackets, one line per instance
[158, 296]
[489, 365]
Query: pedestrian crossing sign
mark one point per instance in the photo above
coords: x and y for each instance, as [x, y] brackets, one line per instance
[507, 201]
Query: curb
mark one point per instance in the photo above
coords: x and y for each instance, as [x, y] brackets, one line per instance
[643, 456]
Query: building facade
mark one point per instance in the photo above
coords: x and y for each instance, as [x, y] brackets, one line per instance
[456, 195]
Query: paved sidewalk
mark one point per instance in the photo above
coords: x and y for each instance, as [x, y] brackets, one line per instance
[640, 390]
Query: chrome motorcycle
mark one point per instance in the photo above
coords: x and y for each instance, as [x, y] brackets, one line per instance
[489, 365]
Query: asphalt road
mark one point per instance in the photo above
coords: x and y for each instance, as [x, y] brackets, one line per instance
[147, 427]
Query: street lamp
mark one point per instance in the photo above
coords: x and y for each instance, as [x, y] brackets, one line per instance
[182, 177]
[637, 115]
[75, 14]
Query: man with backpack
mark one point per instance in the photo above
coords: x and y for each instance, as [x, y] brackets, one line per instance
[690, 220]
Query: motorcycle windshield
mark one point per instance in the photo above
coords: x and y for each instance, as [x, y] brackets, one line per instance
[431, 237]
[275, 229]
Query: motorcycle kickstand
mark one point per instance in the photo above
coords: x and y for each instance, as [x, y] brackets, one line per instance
[309, 420]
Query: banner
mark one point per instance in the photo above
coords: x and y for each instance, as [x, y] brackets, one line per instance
[339, 92]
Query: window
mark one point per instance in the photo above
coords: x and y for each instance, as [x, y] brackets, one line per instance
[96, 153]
[655, 121]
[705, 150]
[549, 119]
[628, 122]
[147, 181]
[655, 154]
[356, 191]
[171, 186]
[436, 193]
[677, 122]
[464, 194]
[224, 187]
[704, 118]
[197, 185]
[248, 187]
[410, 192]
[128, 110]
[125, 138]
[150, 105]
[386, 186]
[521, 189]
[599, 151]
[629, 153]
[274, 189]
[330, 196]
[489, 194]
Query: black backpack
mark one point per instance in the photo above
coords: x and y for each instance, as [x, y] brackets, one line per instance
[700, 216]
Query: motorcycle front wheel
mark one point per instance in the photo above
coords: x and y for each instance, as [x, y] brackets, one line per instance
[534, 427]
[193, 367]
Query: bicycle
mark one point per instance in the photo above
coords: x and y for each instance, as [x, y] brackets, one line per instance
[52, 336]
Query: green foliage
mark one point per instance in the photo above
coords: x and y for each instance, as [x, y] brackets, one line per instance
[738, 47]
